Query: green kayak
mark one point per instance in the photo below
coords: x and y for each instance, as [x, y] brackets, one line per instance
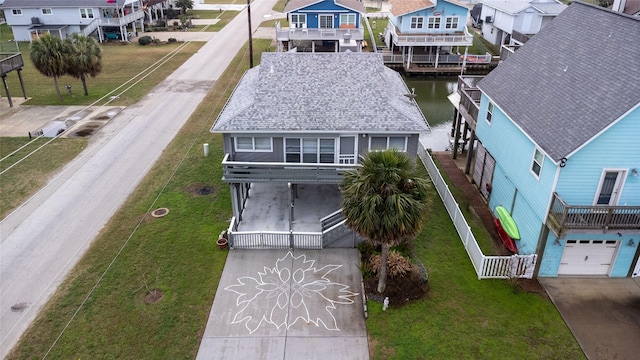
[507, 222]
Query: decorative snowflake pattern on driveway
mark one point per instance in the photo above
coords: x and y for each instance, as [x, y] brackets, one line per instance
[286, 290]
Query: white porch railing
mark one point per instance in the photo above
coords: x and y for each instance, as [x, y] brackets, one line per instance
[122, 21]
[465, 39]
[487, 267]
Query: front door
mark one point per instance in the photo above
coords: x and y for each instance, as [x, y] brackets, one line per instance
[610, 187]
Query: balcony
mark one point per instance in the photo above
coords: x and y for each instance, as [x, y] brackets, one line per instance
[456, 39]
[286, 34]
[470, 97]
[10, 62]
[298, 173]
[122, 20]
[563, 217]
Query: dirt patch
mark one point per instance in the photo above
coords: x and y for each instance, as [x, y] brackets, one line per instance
[201, 190]
[532, 286]
[400, 291]
[153, 296]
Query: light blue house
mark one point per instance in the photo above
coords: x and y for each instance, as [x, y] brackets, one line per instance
[557, 126]
[431, 32]
[30, 19]
[322, 25]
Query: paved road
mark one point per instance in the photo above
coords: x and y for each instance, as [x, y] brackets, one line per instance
[43, 240]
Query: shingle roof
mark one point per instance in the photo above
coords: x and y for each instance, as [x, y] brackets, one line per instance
[401, 7]
[321, 92]
[354, 5]
[509, 7]
[548, 8]
[577, 76]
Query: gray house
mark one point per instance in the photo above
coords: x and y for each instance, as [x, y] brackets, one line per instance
[291, 128]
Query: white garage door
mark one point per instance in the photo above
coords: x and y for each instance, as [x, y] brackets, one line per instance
[587, 257]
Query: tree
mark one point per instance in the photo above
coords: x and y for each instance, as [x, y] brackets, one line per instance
[385, 201]
[84, 58]
[184, 5]
[49, 58]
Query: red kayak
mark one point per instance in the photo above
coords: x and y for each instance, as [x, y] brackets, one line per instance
[506, 240]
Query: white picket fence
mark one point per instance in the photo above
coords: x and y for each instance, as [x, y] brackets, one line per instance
[487, 267]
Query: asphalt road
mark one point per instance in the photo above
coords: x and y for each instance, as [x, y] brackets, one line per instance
[43, 240]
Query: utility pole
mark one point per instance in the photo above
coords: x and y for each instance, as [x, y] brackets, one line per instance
[250, 37]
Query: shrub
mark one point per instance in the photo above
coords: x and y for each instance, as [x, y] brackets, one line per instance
[145, 40]
[161, 23]
[398, 265]
[172, 40]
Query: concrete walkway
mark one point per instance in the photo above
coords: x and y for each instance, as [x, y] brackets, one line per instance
[288, 304]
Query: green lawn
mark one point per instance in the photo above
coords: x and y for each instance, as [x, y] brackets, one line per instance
[120, 64]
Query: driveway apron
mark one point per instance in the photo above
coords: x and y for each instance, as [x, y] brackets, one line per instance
[288, 304]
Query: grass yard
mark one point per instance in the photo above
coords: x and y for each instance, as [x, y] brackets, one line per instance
[463, 317]
[120, 64]
[23, 180]
[224, 16]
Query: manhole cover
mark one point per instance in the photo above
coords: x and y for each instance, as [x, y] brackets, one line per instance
[205, 190]
[157, 213]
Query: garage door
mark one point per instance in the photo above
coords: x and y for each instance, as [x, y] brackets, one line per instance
[587, 257]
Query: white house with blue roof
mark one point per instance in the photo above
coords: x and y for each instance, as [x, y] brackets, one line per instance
[301, 120]
[557, 127]
[432, 33]
[322, 25]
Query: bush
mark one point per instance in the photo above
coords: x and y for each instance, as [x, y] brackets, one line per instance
[161, 23]
[145, 40]
[398, 265]
[172, 40]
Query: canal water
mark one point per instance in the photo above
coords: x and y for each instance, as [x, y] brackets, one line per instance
[432, 98]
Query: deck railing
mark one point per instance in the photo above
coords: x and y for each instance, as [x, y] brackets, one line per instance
[10, 62]
[486, 267]
[122, 21]
[244, 171]
[563, 216]
[458, 39]
[470, 97]
[286, 34]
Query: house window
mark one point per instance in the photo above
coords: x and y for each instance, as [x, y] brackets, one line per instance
[417, 22]
[298, 20]
[326, 21]
[310, 150]
[47, 12]
[387, 142]
[16, 12]
[433, 22]
[86, 13]
[451, 22]
[348, 19]
[253, 144]
[489, 112]
[536, 165]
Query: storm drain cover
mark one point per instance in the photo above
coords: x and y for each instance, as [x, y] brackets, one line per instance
[159, 212]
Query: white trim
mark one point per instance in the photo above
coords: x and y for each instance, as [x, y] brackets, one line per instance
[489, 115]
[327, 15]
[406, 140]
[619, 184]
[348, 15]
[534, 161]
[87, 12]
[253, 144]
[16, 12]
[419, 22]
[301, 152]
[457, 22]
[437, 20]
[47, 14]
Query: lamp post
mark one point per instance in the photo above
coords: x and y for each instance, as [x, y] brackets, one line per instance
[250, 38]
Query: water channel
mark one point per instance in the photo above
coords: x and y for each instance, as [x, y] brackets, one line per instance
[432, 98]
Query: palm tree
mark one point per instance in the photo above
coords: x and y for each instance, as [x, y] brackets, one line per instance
[385, 200]
[184, 5]
[84, 58]
[48, 56]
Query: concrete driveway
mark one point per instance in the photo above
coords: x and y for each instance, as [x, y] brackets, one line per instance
[602, 313]
[287, 304]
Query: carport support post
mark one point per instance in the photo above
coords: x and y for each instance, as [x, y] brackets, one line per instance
[24, 92]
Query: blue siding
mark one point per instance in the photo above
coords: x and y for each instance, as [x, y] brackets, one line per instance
[325, 7]
[513, 152]
[442, 10]
[621, 264]
[579, 180]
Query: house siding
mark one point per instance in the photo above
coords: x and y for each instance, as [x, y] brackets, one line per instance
[528, 201]
[325, 7]
[60, 16]
[403, 23]
[579, 180]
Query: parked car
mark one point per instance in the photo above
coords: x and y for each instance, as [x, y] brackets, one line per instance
[115, 34]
